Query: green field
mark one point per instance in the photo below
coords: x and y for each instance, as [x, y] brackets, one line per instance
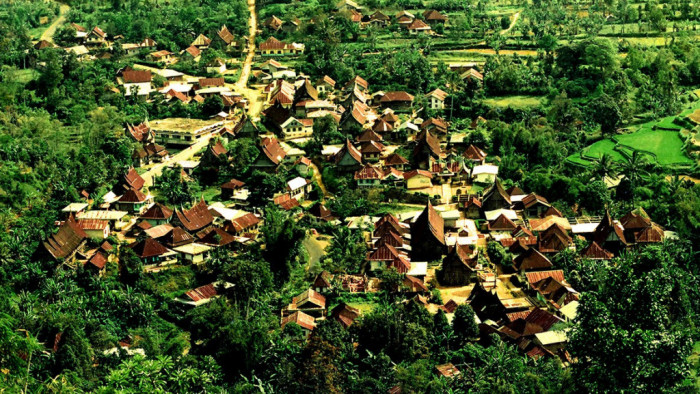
[516, 102]
[666, 146]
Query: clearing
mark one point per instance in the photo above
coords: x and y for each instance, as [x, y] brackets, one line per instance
[515, 102]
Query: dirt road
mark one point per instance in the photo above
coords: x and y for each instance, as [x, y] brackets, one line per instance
[516, 16]
[253, 29]
[185, 154]
[51, 30]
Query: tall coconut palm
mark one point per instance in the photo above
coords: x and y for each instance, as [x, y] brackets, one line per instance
[636, 167]
[604, 167]
[454, 82]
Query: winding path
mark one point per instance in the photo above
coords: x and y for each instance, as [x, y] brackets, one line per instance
[51, 30]
[516, 16]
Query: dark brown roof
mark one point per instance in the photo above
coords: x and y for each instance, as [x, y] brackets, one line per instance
[447, 370]
[158, 211]
[177, 237]
[202, 293]
[286, 202]
[497, 187]
[429, 221]
[133, 180]
[418, 24]
[358, 80]
[595, 252]
[196, 218]
[218, 149]
[651, 234]
[398, 96]
[426, 138]
[224, 238]
[139, 132]
[193, 51]
[233, 184]
[149, 247]
[434, 15]
[273, 44]
[369, 135]
[273, 150]
[382, 126]
[43, 44]
[136, 76]
[502, 223]
[215, 82]
[372, 147]
[473, 153]
[349, 149]
[530, 260]
[98, 260]
[395, 159]
[133, 196]
[607, 226]
[533, 199]
[551, 211]
[368, 171]
[66, 241]
[434, 123]
[242, 223]
[345, 314]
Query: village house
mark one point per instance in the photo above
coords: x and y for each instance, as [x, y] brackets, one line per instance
[427, 235]
[157, 214]
[309, 302]
[98, 229]
[297, 128]
[398, 101]
[299, 188]
[96, 37]
[136, 82]
[397, 161]
[434, 17]
[369, 176]
[460, 266]
[152, 253]
[245, 224]
[418, 27]
[191, 53]
[225, 38]
[201, 42]
[306, 322]
[348, 157]
[484, 173]
[183, 131]
[66, 242]
[436, 99]
[194, 219]
[273, 23]
[418, 179]
[116, 219]
[475, 155]
[272, 154]
[163, 56]
[273, 46]
[427, 150]
[193, 253]
[404, 18]
[325, 85]
[371, 151]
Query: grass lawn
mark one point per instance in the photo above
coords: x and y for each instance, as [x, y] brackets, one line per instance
[666, 145]
[25, 75]
[516, 102]
[211, 193]
[597, 149]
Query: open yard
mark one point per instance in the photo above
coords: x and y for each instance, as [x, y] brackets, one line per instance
[666, 146]
[516, 102]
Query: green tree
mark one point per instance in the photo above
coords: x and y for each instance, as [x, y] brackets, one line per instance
[464, 324]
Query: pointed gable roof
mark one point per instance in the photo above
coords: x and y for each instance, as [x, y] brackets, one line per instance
[218, 149]
[273, 150]
[345, 314]
[225, 35]
[217, 237]
[551, 211]
[177, 237]
[195, 218]
[429, 223]
[133, 196]
[67, 240]
[395, 159]
[496, 188]
[133, 180]
[474, 153]
[606, 227]
[502, 223]
[426, 139]
[148, 247]
[434, 15]
[531, 260]
[596, 252]
[348, 149]
[418, 24]
[382, 126]
[201, 41]
[369, 135]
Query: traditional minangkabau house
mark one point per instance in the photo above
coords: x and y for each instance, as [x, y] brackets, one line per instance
[487, 305]
[427, 150]
[594, 252]
[554, 239]
[229, 188]
[306, 322]
[194, 219]
[272, 154]
[460, 266]
[639, 229]
[245, 224]
[496, 197]
[151, 252]
[348, 157]
[475, 154]
[66, 242]
[131, 180]
[609, 234]
[158, 214]
[176, 237]
[531, 260]
[428, 235]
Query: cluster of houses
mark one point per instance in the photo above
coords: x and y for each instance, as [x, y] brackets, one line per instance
[159, 235]
[423, 24]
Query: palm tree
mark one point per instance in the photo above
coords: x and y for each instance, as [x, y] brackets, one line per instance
[604, 166]
[455, 82]
[634, 169]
